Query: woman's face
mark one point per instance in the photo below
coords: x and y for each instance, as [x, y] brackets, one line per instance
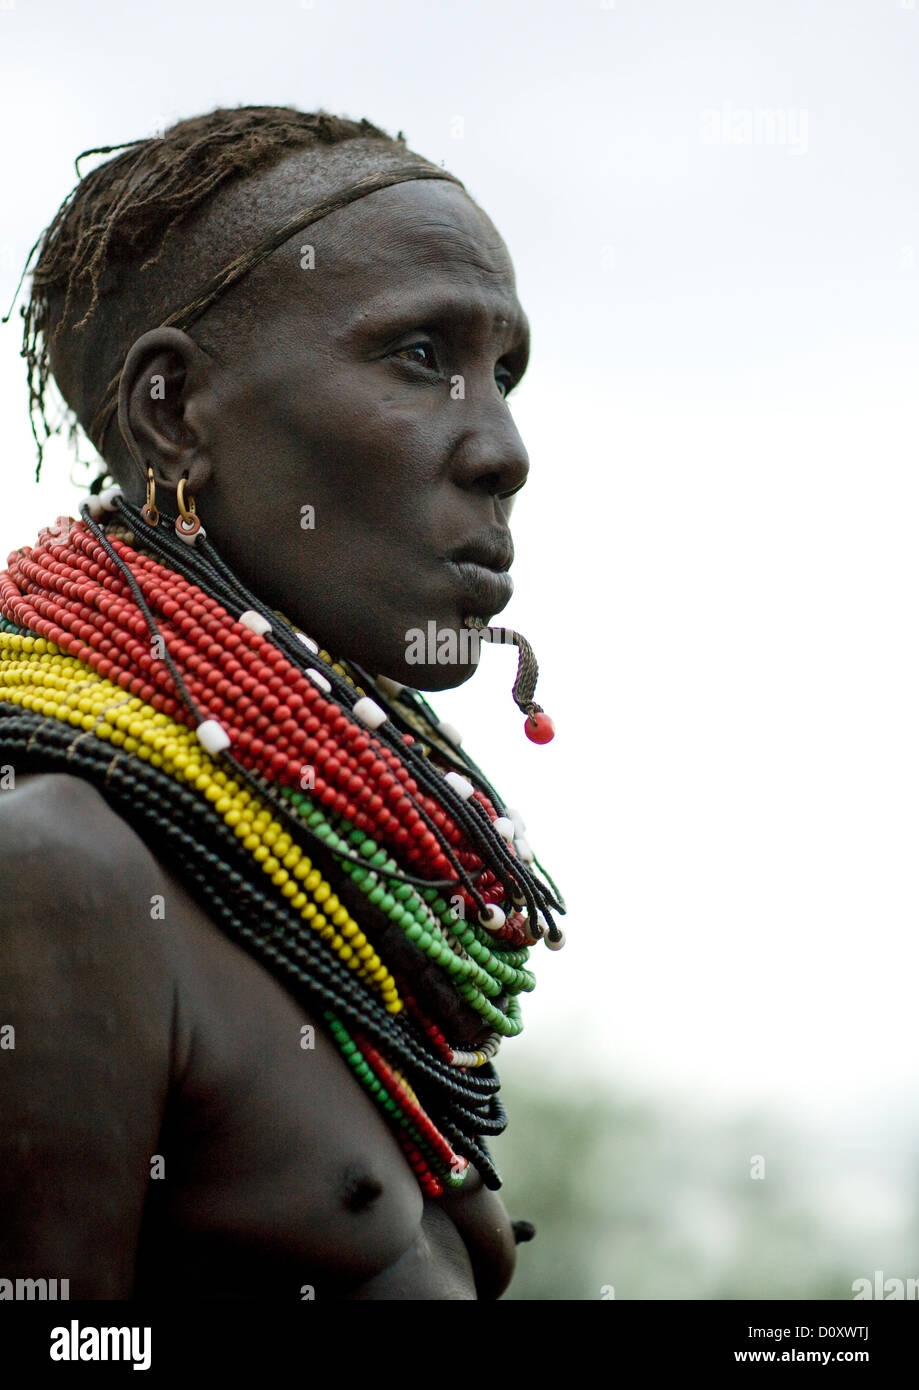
[362, 438]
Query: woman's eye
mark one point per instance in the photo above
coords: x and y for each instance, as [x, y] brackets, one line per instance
[503, 378]
[505, 383]
[420, 347]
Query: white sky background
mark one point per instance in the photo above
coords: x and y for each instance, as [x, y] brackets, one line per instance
[717, 547]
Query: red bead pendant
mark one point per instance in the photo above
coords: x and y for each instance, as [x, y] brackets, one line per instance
[539, 728]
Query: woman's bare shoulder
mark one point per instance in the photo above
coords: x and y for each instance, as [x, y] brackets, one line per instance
[58, 809]
[77, 883]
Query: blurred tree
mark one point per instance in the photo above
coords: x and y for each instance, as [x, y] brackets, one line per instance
[633, 1201]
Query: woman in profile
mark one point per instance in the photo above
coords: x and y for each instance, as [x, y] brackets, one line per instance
[265, 923]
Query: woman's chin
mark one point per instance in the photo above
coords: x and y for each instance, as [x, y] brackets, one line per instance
[435, 656]
[434, 678]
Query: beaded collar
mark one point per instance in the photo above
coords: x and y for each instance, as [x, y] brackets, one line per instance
[298, 797]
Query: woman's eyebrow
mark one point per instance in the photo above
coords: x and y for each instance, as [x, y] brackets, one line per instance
[425, 311]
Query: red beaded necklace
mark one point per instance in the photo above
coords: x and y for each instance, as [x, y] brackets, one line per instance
[106, 605]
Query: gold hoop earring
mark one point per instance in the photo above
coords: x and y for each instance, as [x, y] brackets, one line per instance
[188, 525]
[148, 511]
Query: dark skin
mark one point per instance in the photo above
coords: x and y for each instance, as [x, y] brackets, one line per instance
[164, 1037]
[333, 406]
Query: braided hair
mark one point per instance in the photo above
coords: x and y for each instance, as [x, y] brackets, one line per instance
[118, 222]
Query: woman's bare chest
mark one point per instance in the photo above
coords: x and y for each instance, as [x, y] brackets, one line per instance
[279, 1177]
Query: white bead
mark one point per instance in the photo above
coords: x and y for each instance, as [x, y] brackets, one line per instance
[460, 784]
[519, 823]
[450, 733]
[465, 1059]
[556, 945]
[369, 712]
[308, 642]
[319, 679]
[254, 622]
[391, 688]
[475, 1059]
[493, 919]
[535, 931]
[523, 849]
[213, 736]
[107, 497]
[92, 502]
[190, 537]
[504, 827]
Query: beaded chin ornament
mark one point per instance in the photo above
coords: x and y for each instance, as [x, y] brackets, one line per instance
[267, 770]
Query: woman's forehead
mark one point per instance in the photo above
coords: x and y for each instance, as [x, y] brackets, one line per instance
[409, 245]
[419, 221]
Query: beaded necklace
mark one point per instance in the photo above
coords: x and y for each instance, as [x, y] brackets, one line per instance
[234, 742]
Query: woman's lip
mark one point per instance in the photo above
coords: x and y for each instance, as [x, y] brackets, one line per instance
[487, 590]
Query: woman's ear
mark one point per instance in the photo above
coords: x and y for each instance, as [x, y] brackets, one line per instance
[160, 371]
